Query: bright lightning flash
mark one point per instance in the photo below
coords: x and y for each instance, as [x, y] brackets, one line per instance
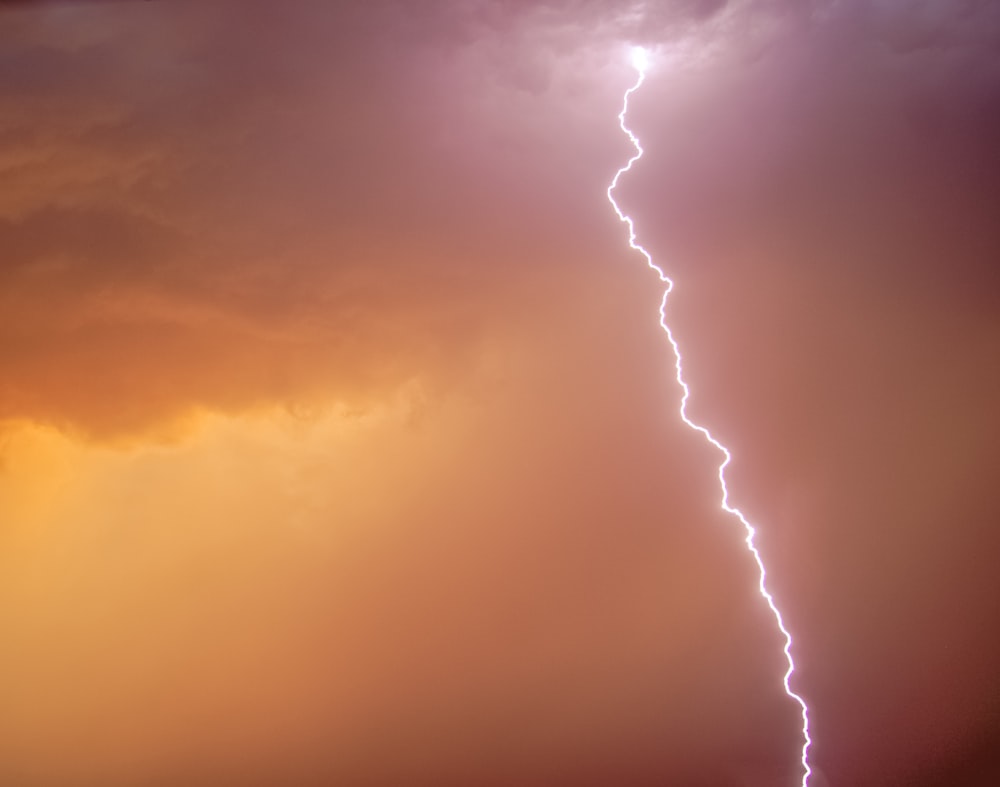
[640, 60]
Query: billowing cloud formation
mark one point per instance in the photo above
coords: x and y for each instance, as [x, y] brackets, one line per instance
[338, 434]
[256, 196]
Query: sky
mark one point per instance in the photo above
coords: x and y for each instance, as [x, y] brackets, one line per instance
[339, 441]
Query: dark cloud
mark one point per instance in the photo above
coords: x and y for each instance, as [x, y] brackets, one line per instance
[262, 162]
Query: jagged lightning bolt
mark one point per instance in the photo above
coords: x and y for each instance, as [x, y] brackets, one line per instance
[640, 59]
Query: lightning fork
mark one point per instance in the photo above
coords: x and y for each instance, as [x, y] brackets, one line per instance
[640, 60]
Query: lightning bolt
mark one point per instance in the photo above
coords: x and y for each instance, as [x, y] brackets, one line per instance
[640, 60]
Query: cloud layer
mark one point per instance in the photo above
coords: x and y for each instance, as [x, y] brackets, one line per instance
[338, 436]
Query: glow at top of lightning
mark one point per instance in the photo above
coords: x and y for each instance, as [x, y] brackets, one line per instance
[641, 60]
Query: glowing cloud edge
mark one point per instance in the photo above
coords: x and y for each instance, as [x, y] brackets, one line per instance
[640, 61]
